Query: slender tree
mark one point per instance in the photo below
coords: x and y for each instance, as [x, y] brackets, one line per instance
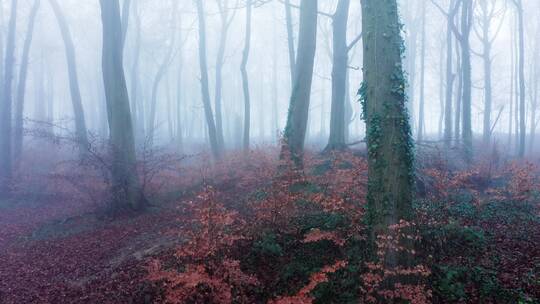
[295, 130]
[162, 71]
[245, 78]
[21, 89]
[486, 15]
[78, 110]
[290, 40]
[212, 133]
[125, 184]
[521, 77]
[420, 132]
[6, 165]
[383, 97]
[226, 19]
[340, 61]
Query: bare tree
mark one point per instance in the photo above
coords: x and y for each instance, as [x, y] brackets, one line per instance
[21, 89]
[521, 76]
[162, 71]
[126, 189]
[245, 79]
[295, 130]
[226, 19]
[78, 110]
[6, 164]
[487, 12]
[212, 133]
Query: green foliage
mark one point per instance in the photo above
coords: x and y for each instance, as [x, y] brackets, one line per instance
[452, 284]
[268, 245]
[323, 221]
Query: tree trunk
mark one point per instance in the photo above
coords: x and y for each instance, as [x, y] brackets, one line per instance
[212, 133]
[290, 41]
[450, 76]
[162, 70]
[225, 24]
[340, 60]
[466, 22]
[390, 147]
[125, 184]
[420, 132]
[136, 110]
[521, 74]
[21, 89]
[78, 111]
[6, 165]
[245, 79]
[295, 130]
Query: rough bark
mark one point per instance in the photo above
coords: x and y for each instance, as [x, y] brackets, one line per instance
[125, 184]
[390, 148]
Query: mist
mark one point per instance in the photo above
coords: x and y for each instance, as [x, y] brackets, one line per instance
[269, 151]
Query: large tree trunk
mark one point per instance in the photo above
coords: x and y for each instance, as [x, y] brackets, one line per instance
[6, 165]
[21, 89]
[245, 79]
[125, 184]
[390, 148]
[295, 130]
[340, 60]
[78, 111]
[212, 133]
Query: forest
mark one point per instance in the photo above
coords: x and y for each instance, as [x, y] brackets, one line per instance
[269, 151]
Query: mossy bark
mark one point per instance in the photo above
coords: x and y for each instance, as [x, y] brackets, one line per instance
[390, 148]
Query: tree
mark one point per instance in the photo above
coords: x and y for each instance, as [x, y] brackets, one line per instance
[212, 133]
[420, 133]
[19, 106]
[245, 79]
[290, 40]
[226, 21]
[78, 110]
[6, 165]
[125, 184]
[383, 97]
[137, 110]
[487, 14]
[450, 14]
[295, 130]
[340, 61]
[162, 70]
[521, 76]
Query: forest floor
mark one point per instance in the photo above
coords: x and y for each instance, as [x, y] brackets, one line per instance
[245, 232]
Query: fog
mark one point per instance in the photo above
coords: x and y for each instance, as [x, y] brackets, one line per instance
[170, 94]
